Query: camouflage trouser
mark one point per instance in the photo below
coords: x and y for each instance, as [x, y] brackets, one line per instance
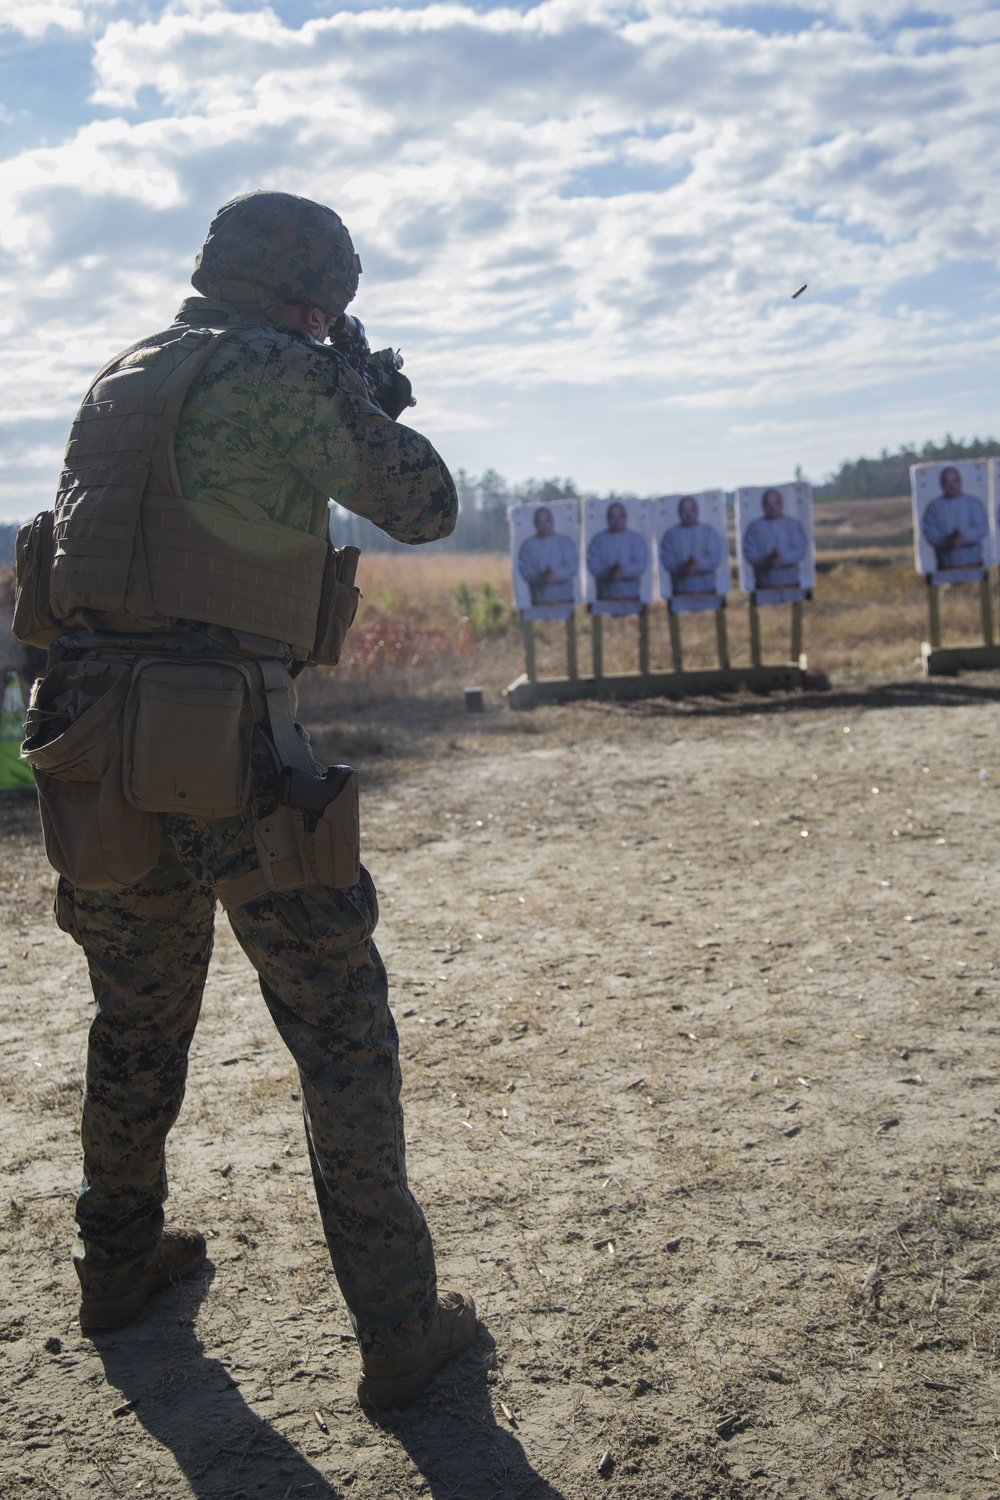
[324, 983]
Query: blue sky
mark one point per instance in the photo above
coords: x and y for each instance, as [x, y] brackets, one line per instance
[581, 220]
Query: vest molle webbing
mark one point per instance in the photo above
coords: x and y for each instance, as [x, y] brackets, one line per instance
[131, 553]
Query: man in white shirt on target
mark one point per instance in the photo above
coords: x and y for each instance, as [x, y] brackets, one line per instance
[618, 558]
[955, 524]
[548, 561]
[690, 551]
[774, 545]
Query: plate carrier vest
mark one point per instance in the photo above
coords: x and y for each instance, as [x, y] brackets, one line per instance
[132, 554]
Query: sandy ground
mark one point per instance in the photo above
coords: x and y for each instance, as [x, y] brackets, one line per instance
[698, 1014]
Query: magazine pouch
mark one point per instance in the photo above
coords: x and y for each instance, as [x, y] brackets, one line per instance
[34, 622]
[187, 738]
[338, 605]
[93, 836]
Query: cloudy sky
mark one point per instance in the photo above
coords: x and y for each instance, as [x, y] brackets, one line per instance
[582, 220]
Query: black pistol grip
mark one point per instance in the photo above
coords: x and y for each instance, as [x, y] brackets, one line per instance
[312, 794]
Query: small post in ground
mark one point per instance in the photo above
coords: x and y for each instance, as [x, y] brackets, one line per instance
[676, 654]
[934, 614]
[796, 630]
[644, 641]
[528, 632]
[722, 636]
[597, 643]
[572, 669]
[755, 660]
[986, 609]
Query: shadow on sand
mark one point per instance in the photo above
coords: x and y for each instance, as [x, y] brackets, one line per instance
[455, 1441]
[190, 1405]
[920, 693]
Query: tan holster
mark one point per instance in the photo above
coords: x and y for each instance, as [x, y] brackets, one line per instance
[296, 851]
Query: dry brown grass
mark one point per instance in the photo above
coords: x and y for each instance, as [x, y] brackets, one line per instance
[410, 643]
[868, 616]
[418, 586]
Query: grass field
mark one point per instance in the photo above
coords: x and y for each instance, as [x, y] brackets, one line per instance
[867, 618]
[422, 629]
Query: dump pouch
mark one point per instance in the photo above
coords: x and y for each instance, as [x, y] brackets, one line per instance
[33, 622]
[93, 836]
[187, 738]
[338, 605]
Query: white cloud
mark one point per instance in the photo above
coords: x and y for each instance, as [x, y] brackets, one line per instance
[578, 195]
[33, 20]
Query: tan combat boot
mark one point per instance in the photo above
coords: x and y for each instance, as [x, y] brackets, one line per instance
[180, 1253]
[390, 1381]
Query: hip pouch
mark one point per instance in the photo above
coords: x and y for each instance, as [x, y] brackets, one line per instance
[187, 738]
[93, 836]
[34, 622]
[338, 605]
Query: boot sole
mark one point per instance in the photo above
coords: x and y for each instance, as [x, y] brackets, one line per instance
[100, 1314]
[392, 1394]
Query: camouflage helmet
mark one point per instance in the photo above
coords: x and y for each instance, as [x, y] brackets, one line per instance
[292, 248]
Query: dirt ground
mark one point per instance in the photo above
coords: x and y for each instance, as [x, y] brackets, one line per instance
[700, 1048]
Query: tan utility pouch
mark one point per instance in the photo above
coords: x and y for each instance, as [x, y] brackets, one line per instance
[187, 738]
[34, 622]
[74, 744]
[338, 605]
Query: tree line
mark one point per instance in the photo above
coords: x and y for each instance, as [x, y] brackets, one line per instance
[483, 501]
[889, 474]
[482, 514]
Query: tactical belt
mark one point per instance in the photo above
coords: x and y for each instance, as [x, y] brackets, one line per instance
[309, 840]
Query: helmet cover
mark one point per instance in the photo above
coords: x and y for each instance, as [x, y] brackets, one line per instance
[292, 247]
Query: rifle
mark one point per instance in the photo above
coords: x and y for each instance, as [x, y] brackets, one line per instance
[380, 370]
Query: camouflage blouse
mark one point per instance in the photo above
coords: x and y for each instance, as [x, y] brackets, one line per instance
[276, 424]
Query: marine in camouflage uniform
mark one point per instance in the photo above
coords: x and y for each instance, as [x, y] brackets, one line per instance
[273, 425]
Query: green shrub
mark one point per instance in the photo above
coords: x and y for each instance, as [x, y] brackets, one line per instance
[464, 600]
[488, 616]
